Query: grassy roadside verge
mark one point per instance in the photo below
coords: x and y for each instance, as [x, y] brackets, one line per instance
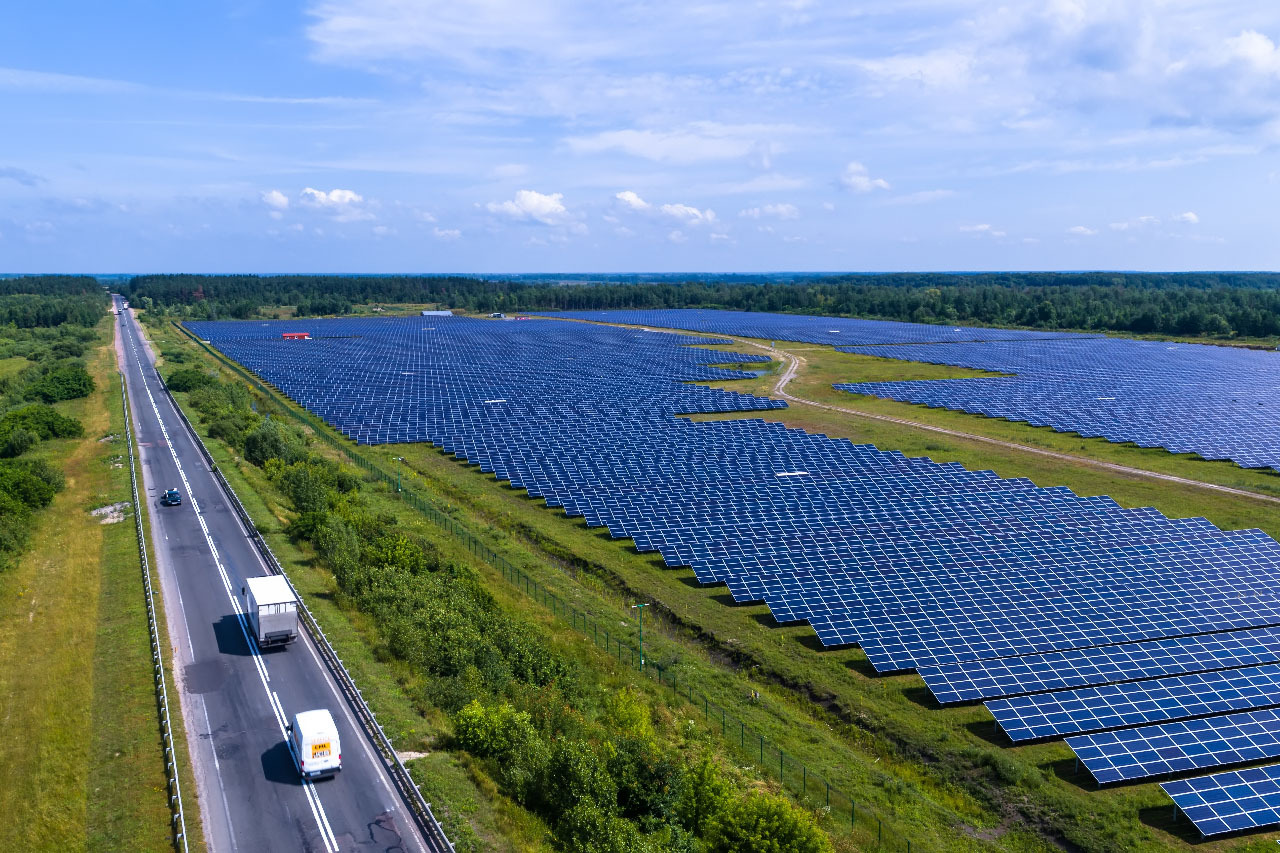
[79, 745]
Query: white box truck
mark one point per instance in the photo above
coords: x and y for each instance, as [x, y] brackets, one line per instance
[272, 610]
[314, 742]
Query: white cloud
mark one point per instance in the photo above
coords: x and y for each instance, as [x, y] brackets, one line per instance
[1256, 50]
[383, 231]
[697, 143]
[1119, 226]
[776, 211]
[533, 205]
[984, 228]
[688, 214]
[342, 205]
[677, 236]
[332, 198]
[1188, 218]
[938, 69]
[275, 199]
[856, 178]
[631, 200]
[446, 233]
[1081, 231]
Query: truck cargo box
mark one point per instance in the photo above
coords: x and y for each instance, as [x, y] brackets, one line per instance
[272, 610]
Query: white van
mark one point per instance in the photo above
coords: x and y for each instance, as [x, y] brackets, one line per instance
[314, 742]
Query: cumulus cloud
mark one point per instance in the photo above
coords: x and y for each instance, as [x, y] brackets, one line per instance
[275, 200]
[342, 205]
[856, 178]
[688, 214]
[446, 233]
[1188, 218]
[532, 205]
[775, 211]
[1256, 50]
[1081, 231]
[677, 236]
[631, 200]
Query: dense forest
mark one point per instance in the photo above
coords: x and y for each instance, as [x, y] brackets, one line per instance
[1183, 304]
[45, 301]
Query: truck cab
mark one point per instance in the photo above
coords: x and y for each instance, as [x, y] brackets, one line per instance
[271, 609]
[314, 743]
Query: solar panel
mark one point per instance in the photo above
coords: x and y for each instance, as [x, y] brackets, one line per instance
[1136, 702]
[992, 678]
[1231, 801]
[1179, 747]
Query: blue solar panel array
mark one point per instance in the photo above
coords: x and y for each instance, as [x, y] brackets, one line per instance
[1129, 754]
[835, 331]
[1216, 402]
[1133, 703]
[1229, 802]
[988, 678]
[994, 586]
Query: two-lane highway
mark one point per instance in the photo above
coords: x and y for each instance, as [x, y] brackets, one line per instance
[237, 699]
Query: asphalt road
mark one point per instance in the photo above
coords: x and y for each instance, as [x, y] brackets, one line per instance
[236, 699]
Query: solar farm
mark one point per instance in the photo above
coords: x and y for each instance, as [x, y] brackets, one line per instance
[1151, 643]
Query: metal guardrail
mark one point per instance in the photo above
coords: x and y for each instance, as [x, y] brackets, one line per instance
[432, 831]
[178, 820]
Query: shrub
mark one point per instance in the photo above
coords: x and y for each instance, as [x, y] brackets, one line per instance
[587, 828]
[24, 486]
[269, 440]
[704, 794]
[41, 420]
[187, 379]
[17, 442]
[68, 382]
[765, 823]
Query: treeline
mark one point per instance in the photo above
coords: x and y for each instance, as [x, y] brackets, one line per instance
[47, 301]
[589, 760]
[1181, 304]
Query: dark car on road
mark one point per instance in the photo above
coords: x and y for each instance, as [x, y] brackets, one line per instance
[172, 497]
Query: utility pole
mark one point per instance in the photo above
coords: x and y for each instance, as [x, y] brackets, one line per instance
[399, 459]
[641, 608]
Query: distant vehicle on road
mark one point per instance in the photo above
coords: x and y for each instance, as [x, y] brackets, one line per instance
[172, 497]
[272, 609]
[314, 742]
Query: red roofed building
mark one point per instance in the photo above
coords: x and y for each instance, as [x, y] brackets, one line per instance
[297, 336]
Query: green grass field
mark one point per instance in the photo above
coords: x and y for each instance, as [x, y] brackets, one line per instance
[80, 752]
[942, 777]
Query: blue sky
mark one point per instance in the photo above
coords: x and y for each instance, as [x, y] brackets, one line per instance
[491, 135]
